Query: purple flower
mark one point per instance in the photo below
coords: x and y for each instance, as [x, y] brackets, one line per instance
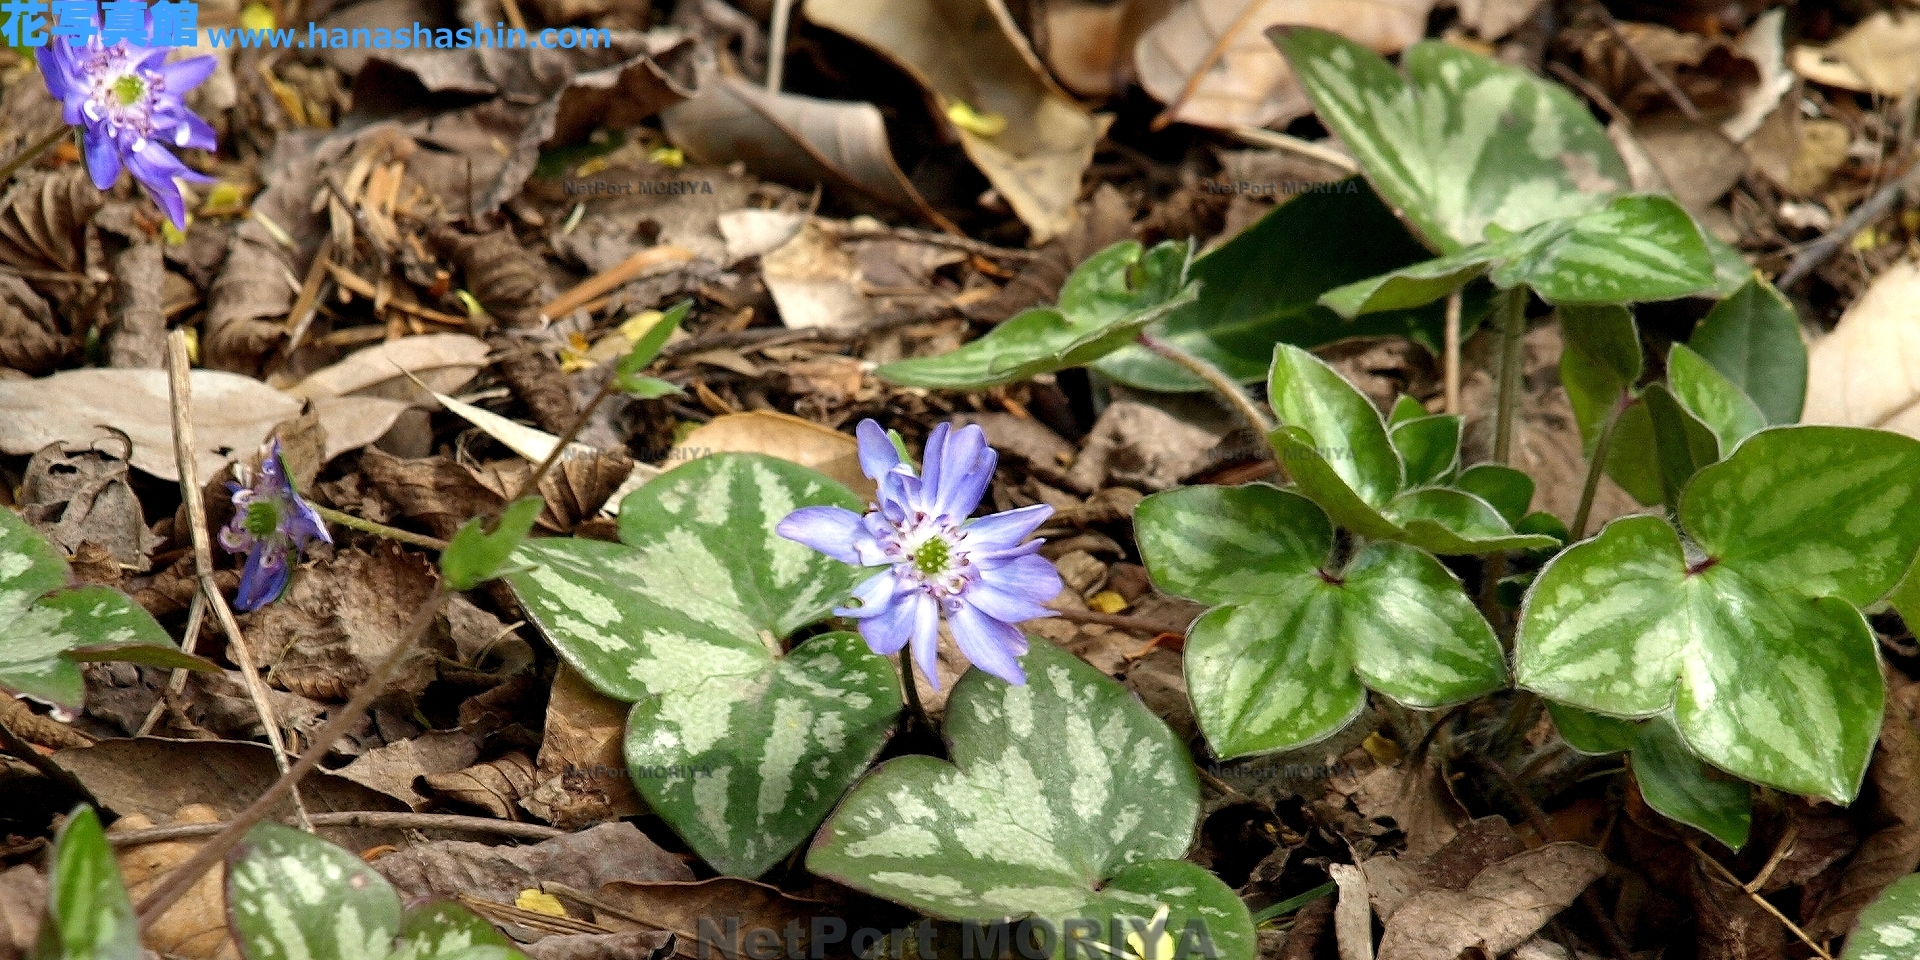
[127, 102]
[979, 574]
[268, 518]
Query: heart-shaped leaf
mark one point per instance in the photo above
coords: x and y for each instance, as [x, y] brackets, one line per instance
[1672, 780]
[44, 636]
[292, 894]
[1281, 661]
[1104, 305]
[1889, 926]
[1635, 249]
[1263, 287]
[1461, 143]
[1753, 337]
[1510, 491]
[1712, 398]
[1308, 394]
[89, 916]
[741, 748]
[1429, 446]
[1067, 799]
[1792, 531]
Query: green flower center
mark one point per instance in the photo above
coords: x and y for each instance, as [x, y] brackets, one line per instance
[263, 518]
[129, 89]
[932, 557]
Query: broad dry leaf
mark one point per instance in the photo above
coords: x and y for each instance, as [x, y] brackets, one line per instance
[584, 861]
[1881, 55]
[1353, 916]
[582, 771]
[1089, 43]
[1493, 19]
[969, 55]
[232, 415]
[779, 435]
[815, 281]
[394, 768]
[1246, 82]
[337, 621]
[196, 927]
[496, 786]
[441, 362]
[1866, 372]
[1503, 906]
[727, 903]
[23, 898]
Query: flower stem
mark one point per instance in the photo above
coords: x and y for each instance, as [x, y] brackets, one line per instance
[1595, 467]
[1513, 336]
[33, 152]
[364, 525]
[1214, 377]
[532, 483]
[182, 878]
[912, 694]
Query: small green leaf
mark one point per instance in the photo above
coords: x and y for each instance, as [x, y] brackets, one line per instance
[1682, 442]
[1905, 598]
[1404, 409]
[474, 556]
[1753, 337]
[1716, 401]
[648, 388]
[443, 931]
[1066, 799]
[1890, 926]
[740, 748]
[45, 635]
[1104, 305]
[292, 894]
[1510, 491]
[89, 916]
[1413, 286]
[1347, 430]
[1674, 782]
[1429, 446]
[1599, 367]
[1593, 733]
[1607, 334]
[650, 343]
[1263, 287]
[1280, 662]
[1463, 142]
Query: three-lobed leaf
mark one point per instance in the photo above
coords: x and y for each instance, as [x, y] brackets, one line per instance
[89, 915]
[1287, 653]
[740, 746]
[1889, 928]
[1066, 799]
[1103, 306]
[46, 632]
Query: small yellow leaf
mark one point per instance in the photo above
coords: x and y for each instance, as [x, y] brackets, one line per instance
[1384, 751]
[667, 157]
[193, 344]
[225, 199]
[573, 356]
[472, 303]
[173, 235]
[540, 902]
[1107, 601]
[1865, 240]
[973, 121]
[256, 16]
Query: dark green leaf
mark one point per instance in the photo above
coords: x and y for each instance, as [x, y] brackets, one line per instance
[1509, 490]
[1404, 409]
[1753, 337]
[1675, 783]
[1429, 446]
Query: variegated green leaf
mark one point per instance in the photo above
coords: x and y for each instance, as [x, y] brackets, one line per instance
[1348, 432]
[1674, 782]
[44, 636]
[1461, 143]
[1429, 446]
[1593, 733]
[1715, 400]
[742, 749]
[1625, 625]
[446, 931]
[1104, 305]
[1753, 337]
[294, 896]
[1282, 661]
[1905, 598]
[1064, 799]
[1889, 928]
[88, 916]
[1263, 287]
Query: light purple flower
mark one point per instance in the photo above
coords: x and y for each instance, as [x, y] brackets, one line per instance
[983, 575]
[269, 520]
[127, 101]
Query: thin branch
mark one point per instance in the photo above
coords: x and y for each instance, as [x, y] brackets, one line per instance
[33, 152]
[1214, 377]
[1538, 820]
[1595, 468]
[364, 525]
[1450, 353]
[369, 819]
[1829, 243]
[1760, 901]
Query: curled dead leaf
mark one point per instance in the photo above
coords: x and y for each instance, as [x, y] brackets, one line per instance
[779, 435]
[1866, 373]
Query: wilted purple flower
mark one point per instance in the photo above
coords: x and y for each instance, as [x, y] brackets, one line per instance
[127, 101]
[268, 518]
[978, 574]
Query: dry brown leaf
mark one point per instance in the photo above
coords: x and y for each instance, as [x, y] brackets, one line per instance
[442, 361]
[1391, 881]
[1892, 849]
[1089, 44]
[1246, 82]
[31, 337]
[437, 492]
[684, 907]
[1729, 925]
[969, 55]
[815, 281]
[584, 861]
[574, 489]
[394, 768]
[83, 496]
[1881, 55]
[337, 621]
[1138, 445]
[496, 786]
[1498, 911]
[1493, 19]
[1352, 916]
[23, 897]
[232, 415]
[1866, 372]
[779, 435]
[196, 926]
[581, 767]
[597, 946]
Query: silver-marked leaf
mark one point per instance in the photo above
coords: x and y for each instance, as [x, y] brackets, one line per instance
[1905, 598]
[443, 931]
[1889, 928]
[746, 768]
[1510, 491]
[1056, 788]
[1821, 511]
[1104, 305]
[1429, 446]
[686, 618]
[1413, 286]
[44, 636]
[1624, 624]
[1674, 782]
[89, 916]
[292, 894]
[1281, 663]
[1714, 399]
[1461, 143]
[1347, 431]
[1753, 337]
[1263, 287]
